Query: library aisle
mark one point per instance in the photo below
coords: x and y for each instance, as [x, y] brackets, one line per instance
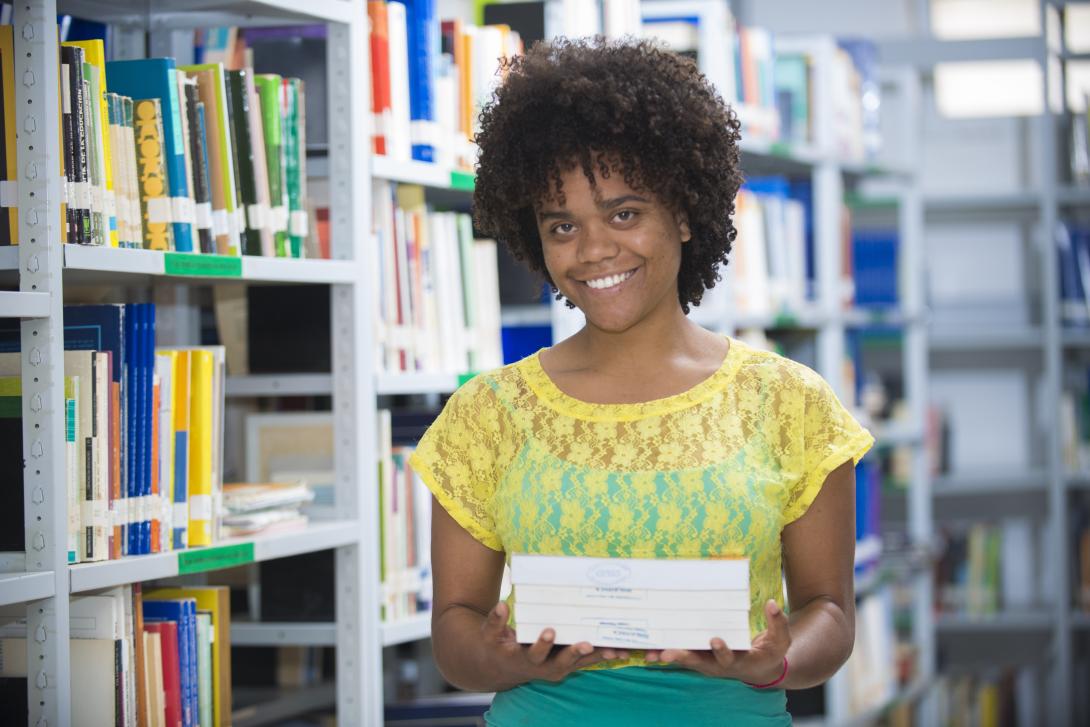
[240, 278]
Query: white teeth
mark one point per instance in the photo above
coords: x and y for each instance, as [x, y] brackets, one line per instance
[609, 282]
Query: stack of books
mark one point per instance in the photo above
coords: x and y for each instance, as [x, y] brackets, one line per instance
[145, 433]
[437, 289]
[163, 157]
[157, 658]
[250, 509]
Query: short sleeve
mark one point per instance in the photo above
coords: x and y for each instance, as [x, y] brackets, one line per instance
[457, 458]
[829, 437]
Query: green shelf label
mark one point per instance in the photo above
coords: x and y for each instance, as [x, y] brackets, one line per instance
[462, 181]
[462, 378]
[785, 320]
[198, 560]
[204, 266]
[780, 149]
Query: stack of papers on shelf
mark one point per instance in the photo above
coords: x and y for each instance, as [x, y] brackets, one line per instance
[263, 508]
[632, 603]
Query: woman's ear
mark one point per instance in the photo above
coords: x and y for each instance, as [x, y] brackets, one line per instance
[682, 220]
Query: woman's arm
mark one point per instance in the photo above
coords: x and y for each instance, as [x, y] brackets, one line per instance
[819, 555]
[474, 647]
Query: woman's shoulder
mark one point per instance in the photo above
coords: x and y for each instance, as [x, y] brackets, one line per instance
[495, 384]
[761, 367]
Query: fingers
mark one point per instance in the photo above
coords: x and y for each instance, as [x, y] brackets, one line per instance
[723, 656]
[779, 629]
[569, 658]
[497, 620]
[538, 652]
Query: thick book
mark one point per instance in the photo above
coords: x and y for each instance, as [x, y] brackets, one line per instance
[423, 48]
[155, 202]
[179, 516]
[212, 88]
[95, 56]
[79, 190]
[294, 164]
[154, 78]
[269, 91]
[183, 612]
[198, 156]
[239, 100]
[9, 209]
[380, 75]
[202, 446]
[171, 669]
[166, 363]
[261, 166]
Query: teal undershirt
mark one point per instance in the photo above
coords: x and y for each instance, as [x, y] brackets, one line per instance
[639, 697]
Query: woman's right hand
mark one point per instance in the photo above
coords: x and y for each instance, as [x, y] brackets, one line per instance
[517, 663]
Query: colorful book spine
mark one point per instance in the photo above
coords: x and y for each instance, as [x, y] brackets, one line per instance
[9, 209]
[380, 74]
[202, 442]
[155, 203]
[269, 90]
[95, 55]
[199, 162]
[253, 220]
[180, 499]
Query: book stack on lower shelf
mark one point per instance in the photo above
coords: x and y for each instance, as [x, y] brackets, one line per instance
[145, 436]
[990, 698]
[160, 657]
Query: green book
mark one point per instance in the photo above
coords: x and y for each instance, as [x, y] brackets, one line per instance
[96, 171]
[268, 90]
[204, 666]
[293, 169]
[239, 103]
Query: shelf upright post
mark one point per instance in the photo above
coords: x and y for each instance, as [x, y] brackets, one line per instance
[920, 516]
[1060, 698]
[40, 265]
[358, 630]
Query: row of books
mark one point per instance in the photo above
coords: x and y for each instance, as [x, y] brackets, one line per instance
[1073, 250]
[429, 78]
[989, 567]
[1075, 426]
[1080, 537]
[260, 508]
[1000, 697]
[772, 89]
[405, 517]
[145, 434]
[164, 157]
[436, 287]
[160, 657]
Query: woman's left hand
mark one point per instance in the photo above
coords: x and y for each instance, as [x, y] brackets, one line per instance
[762, 664]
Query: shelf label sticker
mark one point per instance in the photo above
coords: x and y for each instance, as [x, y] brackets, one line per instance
[462, 181]
[780, 149]
[206, 266]
[198, 560]
[462, 378]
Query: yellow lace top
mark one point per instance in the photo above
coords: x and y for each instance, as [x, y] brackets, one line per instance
[716, 471]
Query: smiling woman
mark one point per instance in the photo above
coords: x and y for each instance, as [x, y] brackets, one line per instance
[611, 169]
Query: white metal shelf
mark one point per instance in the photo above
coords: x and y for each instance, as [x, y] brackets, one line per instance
[422, 173]
[154, 14]
[976, 339]
[279, 385]
[20, 304]
[96, 264]
[24, 587]
[989, 484]
[1073, 196]
[526, 315]
[250, 633]
[133, 569]
[413, 628]
[1007, 203]
[1002, 622]
[415, 383]
[274, 706]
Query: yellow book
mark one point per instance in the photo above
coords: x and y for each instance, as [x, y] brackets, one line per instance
[166, 364]
[154, 195]
[179, 484]
[202, 437]
[7, 68]
[216, 600]
[95, 54]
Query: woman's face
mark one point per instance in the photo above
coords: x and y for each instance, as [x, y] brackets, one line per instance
[612, 250]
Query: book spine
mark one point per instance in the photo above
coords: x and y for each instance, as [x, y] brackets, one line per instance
[199, 161]
[268, 91]
[92, 139]
[201, 442]
[155, 203]
[380, 74]
[239, 101]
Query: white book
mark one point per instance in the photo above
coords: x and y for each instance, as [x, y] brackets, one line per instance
[164, 370]
[398, 142]
[622, 635]
[621, 597]
[670, 618]
[646, 573]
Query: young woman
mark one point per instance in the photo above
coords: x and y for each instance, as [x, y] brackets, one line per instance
[611, 169]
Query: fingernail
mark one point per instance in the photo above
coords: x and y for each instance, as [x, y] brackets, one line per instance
[775, 609]
[548, 636]
[585, 649]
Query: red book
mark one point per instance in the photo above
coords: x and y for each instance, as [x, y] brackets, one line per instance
[172, 678]
[380, 72]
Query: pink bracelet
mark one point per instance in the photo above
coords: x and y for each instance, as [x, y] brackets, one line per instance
[771, 684]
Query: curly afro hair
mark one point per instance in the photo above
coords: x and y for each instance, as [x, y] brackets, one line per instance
[628, 106]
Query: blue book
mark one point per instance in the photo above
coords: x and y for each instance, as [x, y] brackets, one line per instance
[155, 78]
[147, 372]
[874, 267]
[423, 42]
[133, 313]
[183, 611]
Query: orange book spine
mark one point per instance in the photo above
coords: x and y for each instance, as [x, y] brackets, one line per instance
[381, 101]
